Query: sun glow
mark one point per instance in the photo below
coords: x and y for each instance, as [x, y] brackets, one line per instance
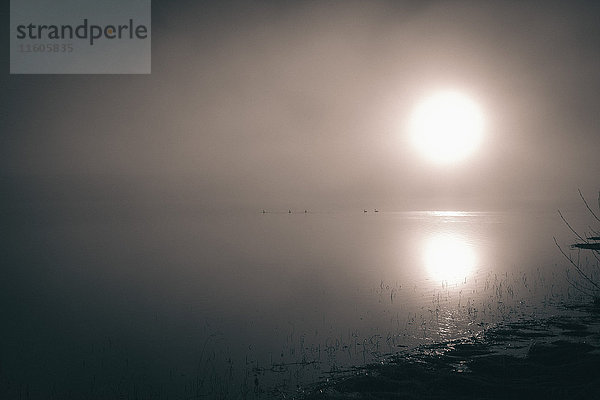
[446, 127]
[449, 258]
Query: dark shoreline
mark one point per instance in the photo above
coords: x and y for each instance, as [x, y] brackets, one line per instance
[552, 358]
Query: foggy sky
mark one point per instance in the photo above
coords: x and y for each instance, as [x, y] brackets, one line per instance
[304, 105]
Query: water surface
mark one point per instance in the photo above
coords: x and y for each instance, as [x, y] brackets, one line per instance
[168, 302]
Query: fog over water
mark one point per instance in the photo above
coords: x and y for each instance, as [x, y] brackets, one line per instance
[138, 261]
[215, 296]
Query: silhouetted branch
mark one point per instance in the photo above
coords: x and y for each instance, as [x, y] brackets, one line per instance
[577, 267]
[570, 227]
[579, 287]
[587, 285]
[587, 205]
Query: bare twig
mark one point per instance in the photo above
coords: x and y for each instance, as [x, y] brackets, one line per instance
[595, 254]
[570, 227]
[588, 285]
[595, 233]
[577, 267]
[587, 205]
[583, 289]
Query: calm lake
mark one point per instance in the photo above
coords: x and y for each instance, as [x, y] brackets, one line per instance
[173, 302]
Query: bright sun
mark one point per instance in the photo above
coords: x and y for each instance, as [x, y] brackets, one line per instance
[446, 127]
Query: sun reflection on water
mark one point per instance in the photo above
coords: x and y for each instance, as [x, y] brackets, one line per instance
[449, 257]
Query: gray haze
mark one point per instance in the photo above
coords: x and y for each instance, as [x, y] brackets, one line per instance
[131, 232]
[277, 106]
